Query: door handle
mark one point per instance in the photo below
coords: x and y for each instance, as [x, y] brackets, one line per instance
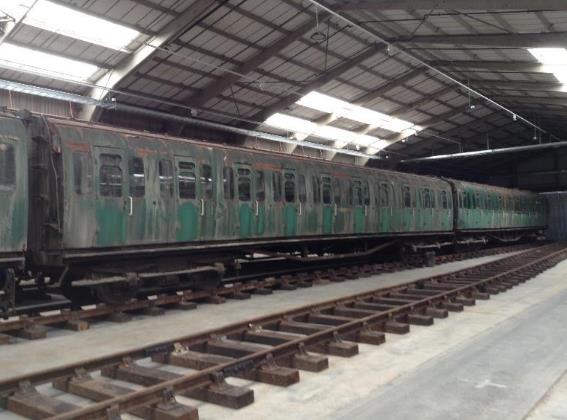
[300, 209]
[202, 207]
[257, 208]
[365, 211]
[336, 210]
[131, 209]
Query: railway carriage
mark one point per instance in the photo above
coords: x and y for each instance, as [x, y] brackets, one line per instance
[114, 210]
[13, 204]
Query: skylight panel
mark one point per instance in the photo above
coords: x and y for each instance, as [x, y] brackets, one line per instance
[554, 60]
[40, 63]
[303, 128]
[343, 109]
[54, 17]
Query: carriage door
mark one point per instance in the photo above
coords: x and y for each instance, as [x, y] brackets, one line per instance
[327, 206]
[137, 204]
[188, 208]
[206, 202]
[290, 202]
[260, 203]
[357, 206]
[408, 209]
[113, 206]
[385, 204]
[245, 206]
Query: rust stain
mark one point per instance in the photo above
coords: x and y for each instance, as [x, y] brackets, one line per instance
[82, 147]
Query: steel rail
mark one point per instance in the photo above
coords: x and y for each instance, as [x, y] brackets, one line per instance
[251, 283]
[154, 394]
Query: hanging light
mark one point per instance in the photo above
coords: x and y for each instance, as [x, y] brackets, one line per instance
[318, 35]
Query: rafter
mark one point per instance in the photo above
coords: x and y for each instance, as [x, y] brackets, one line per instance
[495, 66]
[519, 40]
[362, 100]
[285, 102]
[217, 87]
[175, 28]
[452, 4]
[514, 85]
[544, 100]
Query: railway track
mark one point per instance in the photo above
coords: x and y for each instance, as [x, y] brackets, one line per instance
[35, 322]
[271, 349]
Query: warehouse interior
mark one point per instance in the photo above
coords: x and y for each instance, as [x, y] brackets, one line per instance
[466, 101]
[441, 70]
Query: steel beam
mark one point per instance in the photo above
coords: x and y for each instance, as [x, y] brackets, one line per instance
[488, 152]
[173, 30]
[218, 86]
[544, 100]
[325, 78]
[497, 66]
[519, 40]
[514, 85]
[370, 96]
[379, 5]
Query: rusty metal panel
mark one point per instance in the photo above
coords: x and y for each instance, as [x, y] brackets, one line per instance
[13, 185]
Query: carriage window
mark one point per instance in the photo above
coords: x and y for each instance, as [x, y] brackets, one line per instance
[244, 185]
[316, 185]
[366, 193]
[327, 193]
[7, 165]
[406, 196]
[110, 176]
[187, 180]
[384, 195]
[432, 198]
[260, 186]
[228, 182]
[137, 177]
[277, 186]
[467, 202]
[302, 188]
[82, 172]
[357, 193]
[289, 188]
[207, 181]
[478, 201]
[426, 199]
[444, 200]
[337, 189]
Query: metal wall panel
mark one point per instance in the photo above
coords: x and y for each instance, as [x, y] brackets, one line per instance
[557, 229]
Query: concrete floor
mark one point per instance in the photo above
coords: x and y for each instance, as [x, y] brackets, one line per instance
[504, 358]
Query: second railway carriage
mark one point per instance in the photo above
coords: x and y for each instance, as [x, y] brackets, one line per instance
[488, 208]
[113, 210]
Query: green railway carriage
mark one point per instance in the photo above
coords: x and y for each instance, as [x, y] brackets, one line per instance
[13, 205]
[488, 208]
[13, 191]
[113, 210]
[122, 189]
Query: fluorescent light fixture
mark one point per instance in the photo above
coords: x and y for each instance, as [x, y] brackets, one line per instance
[300, 127]
[303, 128]
[343, 109]
[554, 60]
[70, 22]
[32, 61]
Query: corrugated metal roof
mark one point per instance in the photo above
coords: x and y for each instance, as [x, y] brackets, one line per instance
[221, 43]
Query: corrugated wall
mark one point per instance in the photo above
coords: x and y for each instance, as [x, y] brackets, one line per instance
[557, 229]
